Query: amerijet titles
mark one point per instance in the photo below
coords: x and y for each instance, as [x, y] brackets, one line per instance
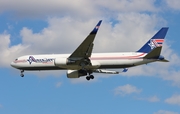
[45, 60]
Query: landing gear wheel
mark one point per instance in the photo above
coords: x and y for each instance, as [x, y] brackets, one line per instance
[88, 78]
[22, 75]
[91, 76]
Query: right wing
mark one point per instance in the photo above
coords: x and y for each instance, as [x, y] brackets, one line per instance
[109, 71]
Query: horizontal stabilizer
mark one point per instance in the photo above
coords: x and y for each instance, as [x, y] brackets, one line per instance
[154, 54]
[164, 60]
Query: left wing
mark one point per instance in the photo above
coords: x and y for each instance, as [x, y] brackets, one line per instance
[83, 52]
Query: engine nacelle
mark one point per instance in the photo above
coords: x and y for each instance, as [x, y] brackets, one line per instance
[76, 73]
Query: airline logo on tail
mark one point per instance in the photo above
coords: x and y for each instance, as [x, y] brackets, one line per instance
[155, 43]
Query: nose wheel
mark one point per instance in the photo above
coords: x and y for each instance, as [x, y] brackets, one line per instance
[22, 73]
[90, 77]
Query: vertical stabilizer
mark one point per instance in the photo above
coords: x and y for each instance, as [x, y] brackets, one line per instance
[156, 41]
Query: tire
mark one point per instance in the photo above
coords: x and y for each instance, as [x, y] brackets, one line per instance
[91, 76]
[88, 78]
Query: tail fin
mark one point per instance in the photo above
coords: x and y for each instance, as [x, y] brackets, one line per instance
[156, 41]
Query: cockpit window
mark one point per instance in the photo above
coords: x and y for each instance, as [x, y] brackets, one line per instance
[16, 59]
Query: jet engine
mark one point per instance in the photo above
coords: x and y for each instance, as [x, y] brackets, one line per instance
[76, 73]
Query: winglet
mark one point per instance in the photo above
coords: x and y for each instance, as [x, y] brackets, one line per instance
[94, 31]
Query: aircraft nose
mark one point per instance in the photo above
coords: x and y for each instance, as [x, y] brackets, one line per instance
[13, 64]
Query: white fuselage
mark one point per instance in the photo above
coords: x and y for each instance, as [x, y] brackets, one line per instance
[98, 61]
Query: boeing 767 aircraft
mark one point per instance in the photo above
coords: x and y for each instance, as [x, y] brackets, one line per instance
[82, 62]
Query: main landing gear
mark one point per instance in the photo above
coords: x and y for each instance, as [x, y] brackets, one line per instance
[22, 73]
[90, 77]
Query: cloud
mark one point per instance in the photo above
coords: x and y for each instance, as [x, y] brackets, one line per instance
[63, 35]
[1, 106]
[153, 99]
[43, 8]
[128, 31]
[174, 4]
[165, 112]
[77, 8]
[128, 5]
[150, 99]
[126, 90]
[175, 99]
[58, 84]
[9, 53]
[58, 36]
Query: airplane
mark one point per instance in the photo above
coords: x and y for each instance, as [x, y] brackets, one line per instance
[82, 62]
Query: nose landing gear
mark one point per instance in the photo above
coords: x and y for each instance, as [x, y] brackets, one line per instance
[22, 73]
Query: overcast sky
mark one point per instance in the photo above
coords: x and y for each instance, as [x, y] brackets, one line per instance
[57, 26]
